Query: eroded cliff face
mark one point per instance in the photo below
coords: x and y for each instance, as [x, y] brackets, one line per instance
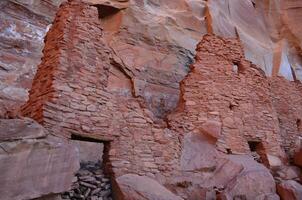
[23, 25]
[83, 89]
[156, 41]
[268, 30]
[122, 73]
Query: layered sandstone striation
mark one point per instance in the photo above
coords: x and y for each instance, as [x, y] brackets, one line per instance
[34, 163]
[75, 92]
[110, 74]
[23, 25]
[156, 41]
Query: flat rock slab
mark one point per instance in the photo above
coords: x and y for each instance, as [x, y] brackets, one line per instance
[32, 166]
[137, 187]
[18, 129]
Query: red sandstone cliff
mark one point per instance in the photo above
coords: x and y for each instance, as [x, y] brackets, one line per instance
[122, 73]
[156, 40]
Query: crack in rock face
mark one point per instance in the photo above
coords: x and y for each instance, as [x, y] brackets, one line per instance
[184, 95]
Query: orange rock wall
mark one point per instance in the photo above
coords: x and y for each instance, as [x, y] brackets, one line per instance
[224, 87]
[287, 101]
[75, 93]
[82, 88]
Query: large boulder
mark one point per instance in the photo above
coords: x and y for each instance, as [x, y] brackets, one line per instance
[290, 190]
[33, 163]
[211, 129]
[253, 182]
[135, 187]
[233, 175]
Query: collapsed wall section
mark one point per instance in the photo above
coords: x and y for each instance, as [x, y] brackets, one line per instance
[80, 90]
[225, 88]
[287, 100]
[68, 86]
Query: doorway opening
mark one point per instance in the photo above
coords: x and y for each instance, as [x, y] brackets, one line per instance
[258, 152]
[299, 124]
[92, 181]
[106, 11]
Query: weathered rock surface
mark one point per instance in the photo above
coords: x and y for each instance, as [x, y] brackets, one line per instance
[33, 163]
[83, 88]
[289, 173]
[155, 40]
[290, 190]
[136, 187]
[268, 30]
[233, 176]
[198, 154]
[253, 182]
[89, 183]
[119, 4]
[23, 25]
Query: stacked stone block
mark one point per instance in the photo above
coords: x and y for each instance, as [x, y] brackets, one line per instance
[71, 95]
[226, 88]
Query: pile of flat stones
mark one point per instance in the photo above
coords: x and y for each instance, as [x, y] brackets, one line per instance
[89, 184]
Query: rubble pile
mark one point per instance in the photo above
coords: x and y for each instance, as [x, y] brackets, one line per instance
[89, 183]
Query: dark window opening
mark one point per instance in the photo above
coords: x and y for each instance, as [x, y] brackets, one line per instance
[253, 145]
[105, 150]
[86, 139]
[237, 67]
[258, 152]
[231, 106]
[229, 151]
[299, 124]
[106, 11]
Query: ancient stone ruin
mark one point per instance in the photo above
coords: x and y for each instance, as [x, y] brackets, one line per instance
[103, 131]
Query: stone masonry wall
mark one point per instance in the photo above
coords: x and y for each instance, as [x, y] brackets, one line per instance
[287, 100]
[225, 88]
[76, 91]
[81, 89]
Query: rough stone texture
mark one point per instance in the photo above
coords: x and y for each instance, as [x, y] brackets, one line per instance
[224, 87]
[253, 182]
[156, 42]
[82, 88]
[205, 169]
[290, 190]
[23, 25]
[136, 187]
[16, 129]
[155, 39]
[289, 173]
[75, 91]
[89, 183]
[89, 151]
[287, 101]
[119, 4]
[34, 163]
[269, 31]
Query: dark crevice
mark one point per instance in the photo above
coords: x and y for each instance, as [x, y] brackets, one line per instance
[106, 11]
[299, 124]
[254, 4]
[86, 139]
